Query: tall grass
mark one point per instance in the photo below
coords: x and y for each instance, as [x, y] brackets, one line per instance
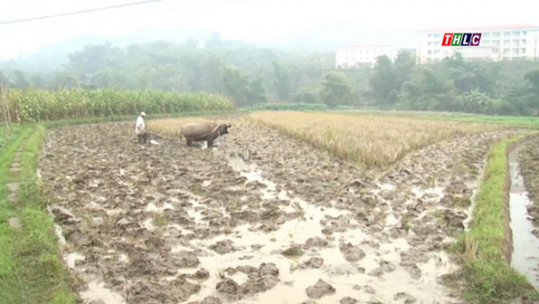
[35, 105]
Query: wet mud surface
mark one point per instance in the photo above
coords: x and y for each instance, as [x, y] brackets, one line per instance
[525, 202]
[525, 243]
[260, 219]
[528, 158]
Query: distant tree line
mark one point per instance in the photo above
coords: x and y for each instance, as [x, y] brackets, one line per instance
[251, 76]
[456, 85]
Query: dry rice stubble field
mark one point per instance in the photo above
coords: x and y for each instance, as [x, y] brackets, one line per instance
[264, 219]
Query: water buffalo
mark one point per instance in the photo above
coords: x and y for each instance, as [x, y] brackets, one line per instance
[203, 131]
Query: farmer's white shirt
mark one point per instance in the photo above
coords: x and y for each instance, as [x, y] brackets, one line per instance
[139, 126]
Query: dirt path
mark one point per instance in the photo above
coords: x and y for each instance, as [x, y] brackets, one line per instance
[13, 187]
[265, 219]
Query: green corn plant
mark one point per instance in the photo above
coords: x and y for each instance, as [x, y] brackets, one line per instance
[34, 105]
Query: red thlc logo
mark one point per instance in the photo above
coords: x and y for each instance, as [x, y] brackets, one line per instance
[461, 39]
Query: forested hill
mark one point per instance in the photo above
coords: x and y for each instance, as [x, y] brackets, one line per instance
[251, 75]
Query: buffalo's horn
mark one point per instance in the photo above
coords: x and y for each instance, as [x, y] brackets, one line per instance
[229, 125]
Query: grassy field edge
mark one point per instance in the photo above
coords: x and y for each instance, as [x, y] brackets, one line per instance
[37, 272]
[8, 265]
[485, 249]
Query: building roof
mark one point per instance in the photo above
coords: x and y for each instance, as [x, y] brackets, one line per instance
[366, 44]
[480, 28]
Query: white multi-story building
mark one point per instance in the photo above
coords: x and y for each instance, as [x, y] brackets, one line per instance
[497, 43]
[362, 54]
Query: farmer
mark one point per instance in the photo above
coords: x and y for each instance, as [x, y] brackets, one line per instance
[140, 129]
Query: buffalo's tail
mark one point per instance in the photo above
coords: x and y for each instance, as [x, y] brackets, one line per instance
[180, 133]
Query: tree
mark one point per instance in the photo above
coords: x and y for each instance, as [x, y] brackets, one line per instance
[256, 93]
[213, 73]
[469, 75]
[430, 91]
[20, 80]
[383, 82]
[282, 81]
[533, 78]
[404, 67]
[235, 85]
[3, 79]
[192, 44]
[336, 90]
[304, 95]
[241, 90]
[215, 41]
[477, 102]
[64, 80]
[37, 81]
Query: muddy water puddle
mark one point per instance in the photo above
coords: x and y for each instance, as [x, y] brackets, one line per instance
[376, 275]
[525, 256]
[97, 293]
[72, 258]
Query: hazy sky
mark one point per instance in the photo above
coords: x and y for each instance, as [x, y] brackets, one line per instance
[253, 20]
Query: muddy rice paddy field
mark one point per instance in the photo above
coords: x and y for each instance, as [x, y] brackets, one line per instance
[263, 217]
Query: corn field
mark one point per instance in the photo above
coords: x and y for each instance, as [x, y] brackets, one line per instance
[34, 105]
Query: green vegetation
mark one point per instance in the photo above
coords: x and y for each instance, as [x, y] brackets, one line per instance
[520, 121]
[4, 138]
[250, 76]
[31, 269]
[288, 107]
[35, 105]
[456, 85]
[489, 278]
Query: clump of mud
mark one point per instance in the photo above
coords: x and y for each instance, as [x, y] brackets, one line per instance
[154, 291]
[320, 289]
[457, 194]
[352, 253]
[259, 280]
